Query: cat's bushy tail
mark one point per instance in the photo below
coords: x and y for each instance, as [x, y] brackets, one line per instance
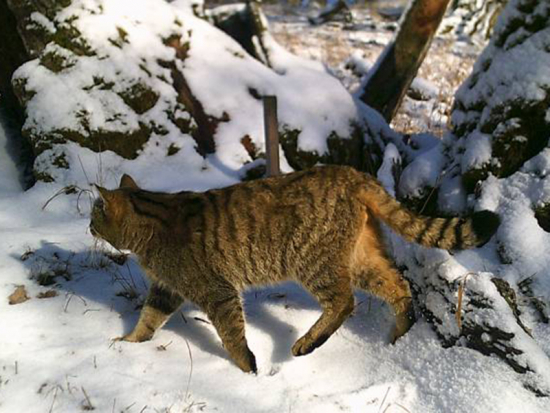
[445, 233]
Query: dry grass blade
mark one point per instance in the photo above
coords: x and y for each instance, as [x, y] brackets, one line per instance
[398, 405]
[70, 189]
[190, 370]
[88, 405]
[53, 401]
[384, 400]
[461, 286]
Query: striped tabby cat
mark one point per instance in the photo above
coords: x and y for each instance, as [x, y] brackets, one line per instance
[319, 227]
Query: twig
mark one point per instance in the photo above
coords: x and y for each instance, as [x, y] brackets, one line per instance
[89, 405]
[65, 190]
[163, 347]
[183, 317]
[71, 295]
[384, 399]
[54, 398]
[90, 198]
[461, 286]
[83, 170]
[128, 407]
[398, 405]
[190, 370]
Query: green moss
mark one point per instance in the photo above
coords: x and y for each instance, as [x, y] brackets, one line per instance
[36, 36]
[297, 158]
[99, 83]
[256, 172]
[20, 90]
[519, 131]
[471, 177]
[158, 129]
[172, 150]
[127, 145]
[121, 39]
[43, 177]
[140, 98]
[69, 37]
[346, 151]
[425, 203]
[187, 125]
[60, 161]
[341, 151]
[55, 61]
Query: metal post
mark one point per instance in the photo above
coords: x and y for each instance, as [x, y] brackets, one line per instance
[271, 135]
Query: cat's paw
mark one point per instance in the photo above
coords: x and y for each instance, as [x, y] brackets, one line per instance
[403, 323]
[307, 344]
[133, 337]
[247, 362]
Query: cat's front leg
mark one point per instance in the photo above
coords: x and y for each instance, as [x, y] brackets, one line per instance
[158, 307]
[222, 304]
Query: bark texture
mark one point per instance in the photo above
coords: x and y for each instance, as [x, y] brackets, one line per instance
[397, 66]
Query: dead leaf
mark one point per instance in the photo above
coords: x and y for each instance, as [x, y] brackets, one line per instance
[47, 294]
[18, 296]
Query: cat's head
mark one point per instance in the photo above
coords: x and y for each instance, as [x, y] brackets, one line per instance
[110, 212]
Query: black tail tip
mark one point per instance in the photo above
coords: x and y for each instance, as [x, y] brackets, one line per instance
[485, 224]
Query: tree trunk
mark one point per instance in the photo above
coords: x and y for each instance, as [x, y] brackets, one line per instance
[13, 54]
[246, 23]
[396, 68]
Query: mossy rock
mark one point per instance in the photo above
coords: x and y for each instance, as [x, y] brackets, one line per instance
[341, 151]
[55, 61]
[126, 144]
[542, 215]
[517, 122]
[140, 98]
[69, 37]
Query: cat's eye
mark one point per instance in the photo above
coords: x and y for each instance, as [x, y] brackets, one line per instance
[100, 205]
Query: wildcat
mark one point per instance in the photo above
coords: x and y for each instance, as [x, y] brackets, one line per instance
[319, 227]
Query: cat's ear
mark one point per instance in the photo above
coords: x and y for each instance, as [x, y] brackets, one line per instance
[104, 193]
[128, 182]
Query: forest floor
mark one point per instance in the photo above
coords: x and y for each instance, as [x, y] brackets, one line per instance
[349, 48]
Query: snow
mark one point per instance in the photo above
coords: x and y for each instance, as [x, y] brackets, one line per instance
[92, 85]
[56, 353]
[55, 349]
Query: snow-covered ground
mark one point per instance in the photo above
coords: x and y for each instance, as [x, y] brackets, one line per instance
[57, 353]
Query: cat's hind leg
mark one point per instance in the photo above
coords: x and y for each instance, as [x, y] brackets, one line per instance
[335, 295]
[374, 272]
[159, 306]
[384, 281]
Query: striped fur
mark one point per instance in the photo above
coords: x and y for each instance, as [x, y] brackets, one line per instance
[319, 227]
[445, 233]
